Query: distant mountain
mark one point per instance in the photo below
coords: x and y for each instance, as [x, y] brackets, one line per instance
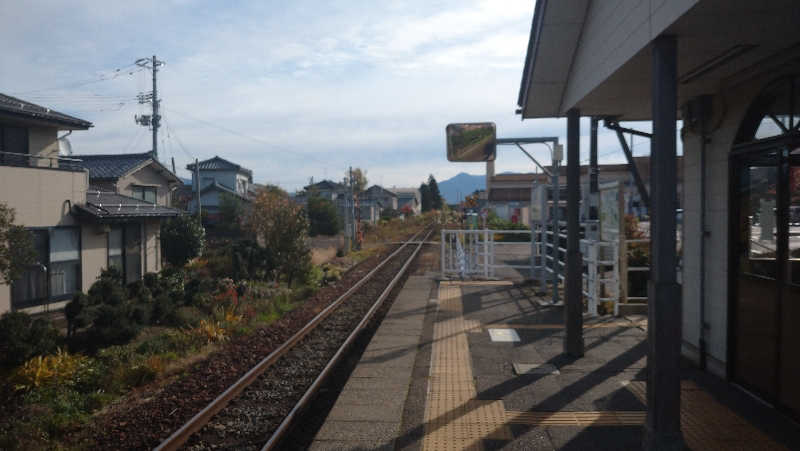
[461, 185]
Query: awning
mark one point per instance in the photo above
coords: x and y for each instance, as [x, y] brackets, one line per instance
[112, 207]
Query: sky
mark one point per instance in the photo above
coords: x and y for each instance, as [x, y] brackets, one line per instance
[291, 90]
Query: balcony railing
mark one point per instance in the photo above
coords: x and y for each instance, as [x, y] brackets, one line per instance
[35, 161]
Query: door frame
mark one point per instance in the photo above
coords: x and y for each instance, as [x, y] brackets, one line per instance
[739, 153]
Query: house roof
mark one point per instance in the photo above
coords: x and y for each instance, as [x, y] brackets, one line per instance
[114, 166]
[23, 109]
[220, 164]
[325, 184]
[110, 206]
[216, 186]
[376, 190]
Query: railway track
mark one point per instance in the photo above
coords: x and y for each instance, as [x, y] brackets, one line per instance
[260, 407]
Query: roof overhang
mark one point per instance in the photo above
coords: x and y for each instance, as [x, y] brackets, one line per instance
[720, 43]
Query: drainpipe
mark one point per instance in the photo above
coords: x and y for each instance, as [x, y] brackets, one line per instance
[703, 113]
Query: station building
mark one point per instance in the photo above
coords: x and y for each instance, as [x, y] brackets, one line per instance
[730, 70]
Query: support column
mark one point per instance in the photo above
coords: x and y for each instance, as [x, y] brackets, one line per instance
[573, 305]
[594, 188]
[663, 427]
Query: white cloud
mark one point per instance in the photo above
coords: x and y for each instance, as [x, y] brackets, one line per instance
[308, 87]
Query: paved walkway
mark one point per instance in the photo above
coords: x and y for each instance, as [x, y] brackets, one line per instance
[480, 366]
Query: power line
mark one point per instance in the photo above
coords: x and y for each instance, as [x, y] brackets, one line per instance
[295, 152]
[116, 73]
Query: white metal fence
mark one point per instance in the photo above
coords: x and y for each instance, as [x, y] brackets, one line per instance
[474, 253]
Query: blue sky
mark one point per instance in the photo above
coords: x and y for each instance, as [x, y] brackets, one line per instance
[289, 89]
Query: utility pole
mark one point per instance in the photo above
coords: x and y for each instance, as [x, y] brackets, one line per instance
[153, 121]
[197, 188]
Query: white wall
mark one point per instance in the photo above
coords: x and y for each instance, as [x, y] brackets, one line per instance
[730, 107]
[614, 31]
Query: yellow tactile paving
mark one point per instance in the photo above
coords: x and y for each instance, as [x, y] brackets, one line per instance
[583, 419]
[454, 419]
[708, 425]
[609, 324]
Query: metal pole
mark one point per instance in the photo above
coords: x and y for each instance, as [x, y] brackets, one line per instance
[663, 426]
[556, 238]
[573, 304]
[633, 169]
[443, 257]
[156, 118]
[594, 187]
[197, 193]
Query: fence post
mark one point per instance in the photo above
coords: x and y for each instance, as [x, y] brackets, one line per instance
[485, 253]
[442, 256]
[623, 269]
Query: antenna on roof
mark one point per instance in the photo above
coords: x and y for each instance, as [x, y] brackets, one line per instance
[64, 146]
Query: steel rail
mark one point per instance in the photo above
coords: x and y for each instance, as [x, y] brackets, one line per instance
[308, 396]
[180, 436]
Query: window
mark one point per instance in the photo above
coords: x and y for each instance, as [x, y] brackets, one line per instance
[13, 140]
[133, 250]
[115, 248]
[56, 275]
[65, 262]
[124, 250]
[31, 288]
[145, 193]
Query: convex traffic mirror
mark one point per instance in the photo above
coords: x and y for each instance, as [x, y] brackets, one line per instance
[471, 142]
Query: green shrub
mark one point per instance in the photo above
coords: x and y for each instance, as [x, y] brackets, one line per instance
[22, 338]
[182, 239]
[186, 316]
[113, 324]
[322, 217]
[78, 313]
[163, 308]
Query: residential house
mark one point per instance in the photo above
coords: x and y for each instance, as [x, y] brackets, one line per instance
[410, 197]
[216, 177]
[374, 200]
[77, 231]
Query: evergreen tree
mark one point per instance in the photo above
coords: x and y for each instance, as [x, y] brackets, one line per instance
[425, 194]
[435, 195]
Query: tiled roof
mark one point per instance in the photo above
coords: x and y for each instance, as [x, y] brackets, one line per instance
[114, 166]
[325, 184]
[377, 190]
[113, 206]
[27, 109]
[219, 164]
[216, 186]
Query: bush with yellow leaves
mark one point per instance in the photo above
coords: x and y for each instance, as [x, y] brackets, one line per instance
[57, 369]
[211, 331]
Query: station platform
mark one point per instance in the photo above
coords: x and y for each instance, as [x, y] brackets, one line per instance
[479, 365]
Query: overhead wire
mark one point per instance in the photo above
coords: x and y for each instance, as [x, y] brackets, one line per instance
[115, 73]
[282, 148]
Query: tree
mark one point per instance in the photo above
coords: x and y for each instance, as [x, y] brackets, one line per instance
[425, 195]
[182, 239]
[322, 216]
[359, 179]
[281, 227]
[436, 196]
[231, 212]
[407, 210]
[17, 251]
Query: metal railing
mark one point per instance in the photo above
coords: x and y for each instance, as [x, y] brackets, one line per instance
[469, 253]
[25, 160]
